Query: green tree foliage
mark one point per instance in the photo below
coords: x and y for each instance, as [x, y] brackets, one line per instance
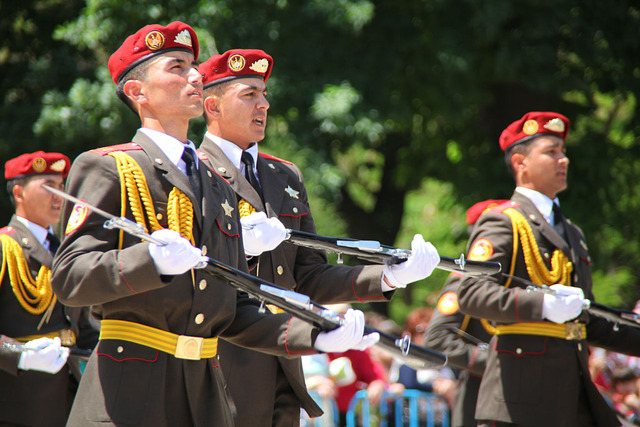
[392, 108]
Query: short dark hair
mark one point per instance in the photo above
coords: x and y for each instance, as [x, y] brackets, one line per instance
[521, 148]
[22, 181]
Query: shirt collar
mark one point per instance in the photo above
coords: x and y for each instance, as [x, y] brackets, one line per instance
[233, 152]
[541, 202]
[171, 147]
[39, 232]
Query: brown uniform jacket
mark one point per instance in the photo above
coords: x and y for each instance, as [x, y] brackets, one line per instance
[464, 355]
[536, 380]
[258, 382]
[31, 397]
[130, 384]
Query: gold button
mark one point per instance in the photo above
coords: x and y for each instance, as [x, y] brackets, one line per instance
[199, 318]
[222, 170]
[295, 210]
[159, 216]
[518, 350]
[209, 173]
[546, 255]
[280, 270]
[202, 284]
[579, 346]
[120, 349]
[533, 217]
[204, 250]
[229, 227]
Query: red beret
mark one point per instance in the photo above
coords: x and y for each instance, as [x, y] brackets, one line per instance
[533, 124]
[236, 63]
[38, 163]
[150, 41]
[474, 212]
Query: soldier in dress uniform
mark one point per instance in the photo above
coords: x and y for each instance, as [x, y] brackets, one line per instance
[537, 367]
[36, 331]
[461, 337]
[156, 362]
[268, 390]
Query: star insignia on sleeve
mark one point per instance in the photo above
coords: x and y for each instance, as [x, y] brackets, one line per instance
[227, 207]
[291, 192]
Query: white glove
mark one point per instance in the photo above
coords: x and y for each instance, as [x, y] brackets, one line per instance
[564, 306]
[43, 354]
[349, 336]
[423, 260]
[261, 234]
[177, 257]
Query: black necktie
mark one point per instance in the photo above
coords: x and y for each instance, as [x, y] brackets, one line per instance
[247, 160]
[54, 243]
[558, 222]
[192, 173]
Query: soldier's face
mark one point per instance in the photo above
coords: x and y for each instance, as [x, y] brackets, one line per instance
[37, 204]
[173, 87]
[545, 167]
[242, 109]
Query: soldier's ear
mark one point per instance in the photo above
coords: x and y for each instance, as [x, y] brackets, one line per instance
[517, 161]
[17, 191]
[134, 90]
[212, 106]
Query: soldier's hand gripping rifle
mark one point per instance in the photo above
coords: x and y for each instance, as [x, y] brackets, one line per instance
[614, 315]
[294, 303]
[373, 251]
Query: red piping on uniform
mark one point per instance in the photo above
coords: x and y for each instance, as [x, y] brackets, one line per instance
[222, 229]
[286, 346]
[126, 281]
[529, 353]
[130, 358]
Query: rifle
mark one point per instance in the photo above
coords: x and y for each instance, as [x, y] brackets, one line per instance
[296, 304]
[373, 251]
[614, 315]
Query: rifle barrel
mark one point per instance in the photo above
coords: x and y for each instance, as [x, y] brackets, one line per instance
[373, 251]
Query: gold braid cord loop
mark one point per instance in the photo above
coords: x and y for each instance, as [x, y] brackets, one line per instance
[561, 267]
[35, 296]
[245, 208]
[134, 189]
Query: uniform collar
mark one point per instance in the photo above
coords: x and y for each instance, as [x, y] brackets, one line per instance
[541, 202]
[39, 232]
[171, 147]
[233, 152]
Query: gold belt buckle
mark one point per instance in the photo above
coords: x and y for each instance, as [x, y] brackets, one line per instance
[189, 348]
[573, 331]
[67, 337]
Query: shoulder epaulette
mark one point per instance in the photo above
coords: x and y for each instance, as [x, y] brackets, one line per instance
[129, 146]
[268, 157]
[505, 206]
[7, 230]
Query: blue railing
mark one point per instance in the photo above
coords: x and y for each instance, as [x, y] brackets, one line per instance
[412, 408]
